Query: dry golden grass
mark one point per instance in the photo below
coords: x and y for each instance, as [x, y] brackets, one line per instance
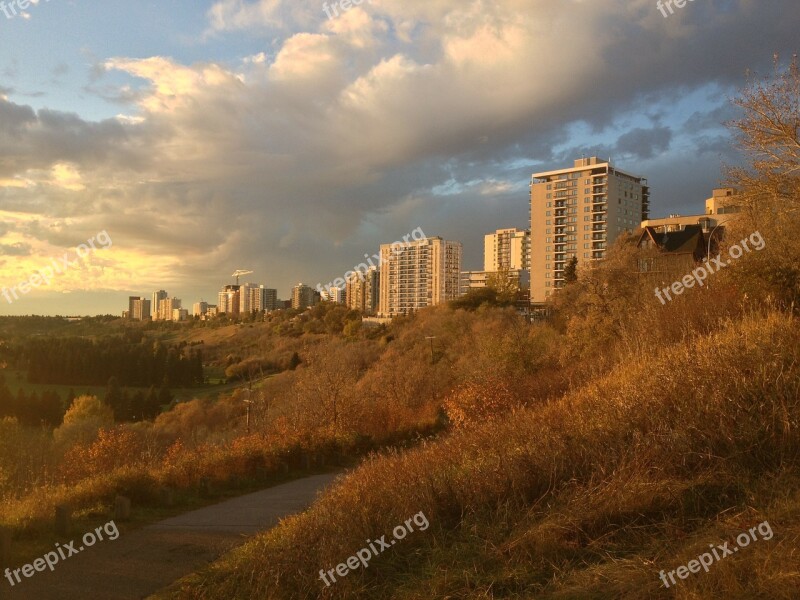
[586, 497]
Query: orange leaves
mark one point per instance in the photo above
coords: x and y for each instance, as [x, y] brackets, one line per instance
[112, 448]
[480, 400]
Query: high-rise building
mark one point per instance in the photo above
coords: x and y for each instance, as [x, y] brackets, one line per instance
[157, 298]
[362, 291]
[228, 302]
[304, 296]
[417, 274]
[579, 212]
[167, 307]
[507, 250]
[336, 295]
[138, 308]
[200, 309]
[262, 299]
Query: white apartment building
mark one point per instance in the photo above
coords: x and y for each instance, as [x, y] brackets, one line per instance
[579, 212]
[417, 274]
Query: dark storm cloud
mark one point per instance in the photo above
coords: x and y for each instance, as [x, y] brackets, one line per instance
[644, 143]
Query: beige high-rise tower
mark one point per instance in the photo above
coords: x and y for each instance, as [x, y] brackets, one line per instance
[506, 250]
[580, 211]
[417, 274]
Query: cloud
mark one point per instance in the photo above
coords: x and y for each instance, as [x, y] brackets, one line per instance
[644, 143]
[18, 249]
[337, 135]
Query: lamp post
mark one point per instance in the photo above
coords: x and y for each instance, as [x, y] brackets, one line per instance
[711, 237]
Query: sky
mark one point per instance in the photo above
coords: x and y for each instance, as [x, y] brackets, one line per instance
[189, 139]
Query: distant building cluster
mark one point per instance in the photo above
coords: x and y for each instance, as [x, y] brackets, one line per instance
[576, 214]
[232, 300]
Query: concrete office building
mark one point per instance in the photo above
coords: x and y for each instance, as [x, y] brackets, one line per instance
[417, 274]
[579, 212]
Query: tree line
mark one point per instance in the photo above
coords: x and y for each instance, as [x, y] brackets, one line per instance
[79, 361]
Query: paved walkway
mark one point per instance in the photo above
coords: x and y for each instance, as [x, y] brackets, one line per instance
[144, 561]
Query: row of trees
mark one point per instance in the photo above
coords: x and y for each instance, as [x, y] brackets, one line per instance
[31, 409]
[48, 408]
[78, 361]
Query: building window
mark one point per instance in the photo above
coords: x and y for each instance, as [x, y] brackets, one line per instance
[549, 204]
[549, 186]
[548, 222]
[548, 240]
[548, 231]
[548, 213]
[548, 197]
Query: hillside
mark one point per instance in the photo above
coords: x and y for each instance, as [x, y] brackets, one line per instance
[591, 496]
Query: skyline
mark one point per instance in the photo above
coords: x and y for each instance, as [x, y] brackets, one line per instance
[266, 135]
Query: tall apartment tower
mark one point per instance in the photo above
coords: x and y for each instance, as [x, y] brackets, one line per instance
[417, 274]
[304, 296]
[507, 250]
[362, 291]
[200, 309]
[579, 212]
[138, 309]
[228, 302]
[167, 308]
[157, 298]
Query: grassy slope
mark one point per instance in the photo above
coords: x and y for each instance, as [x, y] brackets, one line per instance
[589, 497]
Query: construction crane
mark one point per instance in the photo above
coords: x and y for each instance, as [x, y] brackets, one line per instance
[239, 273]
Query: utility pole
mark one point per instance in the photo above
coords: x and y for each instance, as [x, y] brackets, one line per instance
[431, 338]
